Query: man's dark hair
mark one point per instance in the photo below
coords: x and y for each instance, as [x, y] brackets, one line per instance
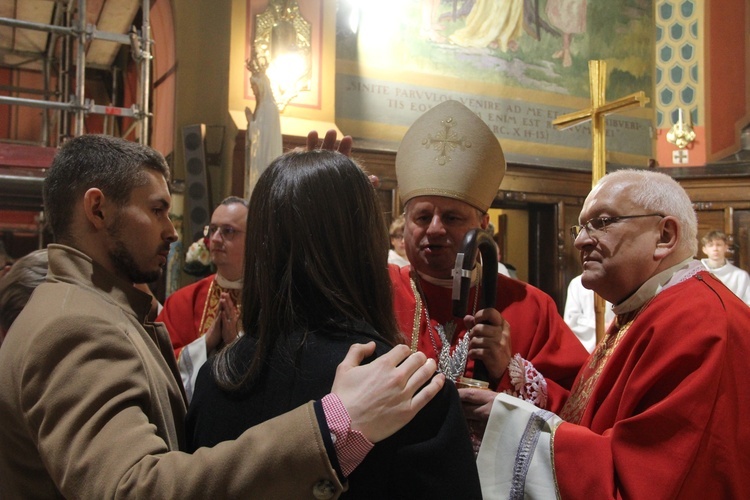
[114, 165]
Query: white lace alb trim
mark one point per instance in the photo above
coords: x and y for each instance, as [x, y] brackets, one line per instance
[528, 383]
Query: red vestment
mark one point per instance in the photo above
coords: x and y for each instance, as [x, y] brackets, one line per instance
[665, 418]
[537, 331]
[183, 311]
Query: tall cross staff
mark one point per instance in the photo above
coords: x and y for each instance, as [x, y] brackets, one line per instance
[597, 113]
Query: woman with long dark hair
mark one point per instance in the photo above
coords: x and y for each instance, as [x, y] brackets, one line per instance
[316, 281]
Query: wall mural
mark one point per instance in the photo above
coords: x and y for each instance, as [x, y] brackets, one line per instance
[517, 63]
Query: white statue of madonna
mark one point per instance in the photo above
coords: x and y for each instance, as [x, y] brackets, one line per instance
[263, 137]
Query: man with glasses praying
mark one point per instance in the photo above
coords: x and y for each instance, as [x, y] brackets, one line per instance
[658, 409]
[203, 317]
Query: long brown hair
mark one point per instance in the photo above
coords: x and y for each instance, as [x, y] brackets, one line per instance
[315, 254]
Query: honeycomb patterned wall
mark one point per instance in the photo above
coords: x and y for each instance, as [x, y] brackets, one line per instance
[679, 48]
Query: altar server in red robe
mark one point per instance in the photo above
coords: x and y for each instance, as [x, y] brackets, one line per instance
[449, 168]
[659, 409]
[191, 313]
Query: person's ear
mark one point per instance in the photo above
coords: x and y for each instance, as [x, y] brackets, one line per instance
[94, 203]
[669, 236]
[485, 221]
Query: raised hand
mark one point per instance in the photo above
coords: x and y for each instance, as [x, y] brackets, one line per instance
[225, 327]
[329, 142]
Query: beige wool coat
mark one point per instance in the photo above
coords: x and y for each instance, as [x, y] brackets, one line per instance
[91, 407]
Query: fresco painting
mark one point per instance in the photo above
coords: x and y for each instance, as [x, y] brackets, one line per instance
[517, 63]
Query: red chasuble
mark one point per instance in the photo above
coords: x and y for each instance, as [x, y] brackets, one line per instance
[183, 313]
[666, 414]
[537, 331]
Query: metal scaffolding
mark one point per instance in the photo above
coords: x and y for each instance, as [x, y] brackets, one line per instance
[72, 27]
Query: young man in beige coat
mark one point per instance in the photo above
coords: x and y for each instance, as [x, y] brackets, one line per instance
[90, 398]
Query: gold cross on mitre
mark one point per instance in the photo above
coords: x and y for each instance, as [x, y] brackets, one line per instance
[597, 113]
[445, 141]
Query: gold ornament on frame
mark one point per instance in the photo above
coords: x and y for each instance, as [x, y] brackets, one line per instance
[282, 43]
[681, 134]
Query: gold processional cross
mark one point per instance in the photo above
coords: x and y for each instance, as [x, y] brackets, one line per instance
[597, 113]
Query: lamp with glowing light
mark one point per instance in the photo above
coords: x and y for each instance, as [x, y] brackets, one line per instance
[282, 43]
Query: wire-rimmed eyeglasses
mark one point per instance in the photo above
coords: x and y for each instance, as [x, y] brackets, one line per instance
[601, 223]
[226, 232]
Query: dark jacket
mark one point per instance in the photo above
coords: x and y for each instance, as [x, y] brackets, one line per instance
[431, 457]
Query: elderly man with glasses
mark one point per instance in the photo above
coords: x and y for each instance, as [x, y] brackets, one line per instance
[658, 409]
[203, 317]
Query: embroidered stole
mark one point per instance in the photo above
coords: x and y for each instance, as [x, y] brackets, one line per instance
[211, 307]
[584, 386]
[451, 360]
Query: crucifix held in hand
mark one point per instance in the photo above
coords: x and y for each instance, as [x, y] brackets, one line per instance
[597, 114]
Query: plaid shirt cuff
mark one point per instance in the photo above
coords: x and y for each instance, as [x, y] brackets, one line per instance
[351, 446]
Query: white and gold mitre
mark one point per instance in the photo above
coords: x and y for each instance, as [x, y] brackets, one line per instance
[449, 151]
